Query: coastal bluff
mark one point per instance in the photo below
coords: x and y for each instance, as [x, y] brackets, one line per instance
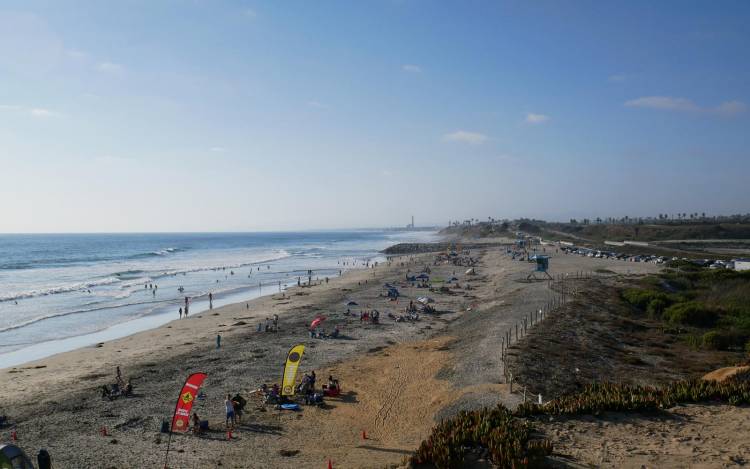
[417, 248]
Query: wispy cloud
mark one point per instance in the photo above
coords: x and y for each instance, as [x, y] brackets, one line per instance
[411, 68]
[730, 108]
[110, 67]
[37, 112]
[663, 103]
[618, 78]
[217, 149]
[532, 118]
[464, 136]
[668, 103]
[42, 113]
[249, 13]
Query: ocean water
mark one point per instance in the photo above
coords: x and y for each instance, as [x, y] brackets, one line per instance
[64, 291]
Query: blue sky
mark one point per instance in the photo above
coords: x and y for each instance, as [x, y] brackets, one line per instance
[210, 115]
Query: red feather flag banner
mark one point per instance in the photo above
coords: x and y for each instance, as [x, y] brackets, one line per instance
[181, 417]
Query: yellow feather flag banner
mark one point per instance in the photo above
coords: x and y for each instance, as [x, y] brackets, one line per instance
[293, 358]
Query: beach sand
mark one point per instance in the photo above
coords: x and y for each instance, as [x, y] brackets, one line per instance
[398, 378]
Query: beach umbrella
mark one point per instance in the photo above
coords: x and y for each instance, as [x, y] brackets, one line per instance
[352, 303]
[316, 322]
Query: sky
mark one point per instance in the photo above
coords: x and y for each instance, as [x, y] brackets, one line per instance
[177, 115]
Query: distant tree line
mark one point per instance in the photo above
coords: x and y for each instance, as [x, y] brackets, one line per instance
[659, 219]
[666, 219]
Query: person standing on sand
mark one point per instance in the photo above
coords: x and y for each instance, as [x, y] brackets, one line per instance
[210, 300]
[180, 313]
[187, 301]
[230, 410]
[218, 341]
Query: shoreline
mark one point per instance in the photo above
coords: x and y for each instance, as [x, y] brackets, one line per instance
[50, 348]
[47, 349]
[153, 320]
[140, 345]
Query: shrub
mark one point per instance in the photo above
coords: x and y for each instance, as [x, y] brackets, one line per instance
[713, 340]
[691, 313]
[504, 436]
[507, 437]
[641, 298]
[656, 307]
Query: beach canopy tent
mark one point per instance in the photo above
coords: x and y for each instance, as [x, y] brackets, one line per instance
[352, 303]
[411, 278]
[12, 457]
[393, 292]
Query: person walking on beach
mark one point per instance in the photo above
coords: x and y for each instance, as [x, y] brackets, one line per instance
[210, 300]
[187, 301]
[218, 341]
[180, 313]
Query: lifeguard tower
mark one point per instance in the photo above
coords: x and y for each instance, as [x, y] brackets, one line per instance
[541, 267]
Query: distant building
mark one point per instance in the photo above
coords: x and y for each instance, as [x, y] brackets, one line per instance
[742, 264]
[410, 226]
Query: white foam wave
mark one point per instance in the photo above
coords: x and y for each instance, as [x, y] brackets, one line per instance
[136, 282]
[277, 255]
[58, 289]
[164, 252]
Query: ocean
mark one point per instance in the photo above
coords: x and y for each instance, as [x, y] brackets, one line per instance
[59, 292]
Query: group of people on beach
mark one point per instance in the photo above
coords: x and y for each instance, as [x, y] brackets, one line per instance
[272, 325]
[185, 311]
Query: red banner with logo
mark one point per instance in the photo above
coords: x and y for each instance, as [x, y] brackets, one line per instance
[181, 419]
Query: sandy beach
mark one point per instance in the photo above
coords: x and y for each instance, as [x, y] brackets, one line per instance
[397, 377]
